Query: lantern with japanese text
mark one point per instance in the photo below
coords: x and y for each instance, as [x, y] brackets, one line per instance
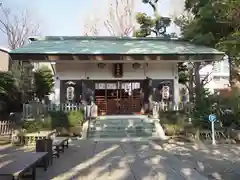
[165, 92]
[70, 93]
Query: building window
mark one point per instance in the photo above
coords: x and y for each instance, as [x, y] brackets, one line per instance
[225, 78]
[216, 78]
[217, 67]
[225, 67]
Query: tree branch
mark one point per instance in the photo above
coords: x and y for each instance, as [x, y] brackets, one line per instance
[205, 80]
[17, 28]
[120, 21]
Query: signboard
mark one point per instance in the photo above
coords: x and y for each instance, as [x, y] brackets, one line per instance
[212, 118]
[118, 70]
[100, 86]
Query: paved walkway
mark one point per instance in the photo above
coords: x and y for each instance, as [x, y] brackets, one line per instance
[151, 160]
[88, 160]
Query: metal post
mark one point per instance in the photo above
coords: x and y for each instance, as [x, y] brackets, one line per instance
[213, 134]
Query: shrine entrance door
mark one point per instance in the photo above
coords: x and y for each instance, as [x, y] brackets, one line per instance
[118, 97]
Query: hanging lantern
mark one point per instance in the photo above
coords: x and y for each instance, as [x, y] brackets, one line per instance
[70, 93]
[165, 92]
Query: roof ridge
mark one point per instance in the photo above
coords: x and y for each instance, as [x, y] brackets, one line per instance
[108, 38]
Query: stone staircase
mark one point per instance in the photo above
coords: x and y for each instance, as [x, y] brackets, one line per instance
[119, 126]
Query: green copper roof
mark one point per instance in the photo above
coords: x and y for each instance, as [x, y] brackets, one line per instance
[111, 45]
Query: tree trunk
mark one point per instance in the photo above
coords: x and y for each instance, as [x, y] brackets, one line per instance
[197, 80]
[191, 90]
[231, 79]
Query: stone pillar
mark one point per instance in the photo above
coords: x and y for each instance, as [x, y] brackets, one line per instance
[156, 108]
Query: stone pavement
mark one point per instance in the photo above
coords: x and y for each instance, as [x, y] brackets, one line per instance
[220, 162]
[89, 160]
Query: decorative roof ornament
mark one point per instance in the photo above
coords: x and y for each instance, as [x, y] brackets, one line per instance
[70, 83]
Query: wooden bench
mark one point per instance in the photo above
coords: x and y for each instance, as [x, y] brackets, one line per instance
[22, 163]
[59, 144]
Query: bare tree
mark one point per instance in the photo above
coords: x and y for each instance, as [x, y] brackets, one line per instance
[121, 18]
[91, 26]
[17, 27]
[119, 21]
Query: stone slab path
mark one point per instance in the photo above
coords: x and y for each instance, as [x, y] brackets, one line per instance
[149, 160]
[89, 160]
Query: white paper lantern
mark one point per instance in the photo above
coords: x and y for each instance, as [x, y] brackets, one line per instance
[165, 92]
[70, 93]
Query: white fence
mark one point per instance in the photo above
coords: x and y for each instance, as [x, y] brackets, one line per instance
[37, 110]
[6, 127]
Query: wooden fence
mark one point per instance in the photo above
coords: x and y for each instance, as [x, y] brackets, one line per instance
[6, 127]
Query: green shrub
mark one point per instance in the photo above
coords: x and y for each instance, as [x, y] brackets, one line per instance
[173, 129]
[47, 123]
[75, 118]
[173, 117]
[58, 119]
[66, 119]
[32, 126]
[55, 119]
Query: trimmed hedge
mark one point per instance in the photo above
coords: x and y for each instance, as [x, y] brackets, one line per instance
[55, 119]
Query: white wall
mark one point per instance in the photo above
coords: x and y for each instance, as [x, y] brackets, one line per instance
[4, 60]
[65, 71]
[76, 71]
[38, 65]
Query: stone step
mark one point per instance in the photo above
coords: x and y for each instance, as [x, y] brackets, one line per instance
[122, 121]
[119, 134]
[122, 117]
[123, 130]
[124, 126]
[121, 124]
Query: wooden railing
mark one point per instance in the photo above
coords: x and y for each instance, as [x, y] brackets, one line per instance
[6, 127]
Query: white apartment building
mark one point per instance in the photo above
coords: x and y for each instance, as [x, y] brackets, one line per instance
[219, 75]
[218, 78]
[4, 59]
